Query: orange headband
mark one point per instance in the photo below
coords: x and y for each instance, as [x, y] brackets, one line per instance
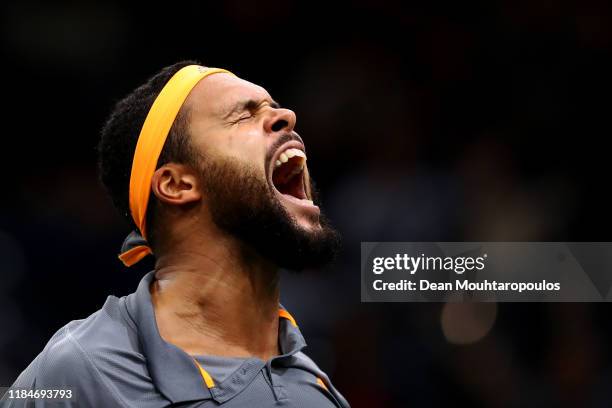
[148, 148]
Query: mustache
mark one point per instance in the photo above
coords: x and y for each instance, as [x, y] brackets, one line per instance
[284, 138]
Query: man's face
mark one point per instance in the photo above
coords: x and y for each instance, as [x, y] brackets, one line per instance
[254, 174]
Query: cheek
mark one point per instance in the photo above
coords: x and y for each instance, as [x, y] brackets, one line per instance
[242, 135]
[250, 148]
[246, 147]
[246, 158]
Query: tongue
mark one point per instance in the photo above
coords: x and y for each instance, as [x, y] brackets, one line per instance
[286, 181]
[281, 174]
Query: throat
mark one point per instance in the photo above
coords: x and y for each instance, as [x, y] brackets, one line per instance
[218, 312]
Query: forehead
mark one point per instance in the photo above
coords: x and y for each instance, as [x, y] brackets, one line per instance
[217, 94]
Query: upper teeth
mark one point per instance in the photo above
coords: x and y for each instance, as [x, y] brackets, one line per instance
[287, 154]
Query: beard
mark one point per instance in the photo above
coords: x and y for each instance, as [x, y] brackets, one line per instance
[243, 204]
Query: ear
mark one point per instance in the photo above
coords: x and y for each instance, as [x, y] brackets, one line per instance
[175, 184]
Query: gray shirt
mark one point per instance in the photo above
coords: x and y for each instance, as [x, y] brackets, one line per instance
[116, 358]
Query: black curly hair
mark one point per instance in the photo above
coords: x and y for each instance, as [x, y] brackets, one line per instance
[120, 134]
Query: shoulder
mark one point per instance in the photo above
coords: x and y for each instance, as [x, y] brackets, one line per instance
[84, 355]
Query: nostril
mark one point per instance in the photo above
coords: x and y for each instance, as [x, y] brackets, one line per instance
[279, 125]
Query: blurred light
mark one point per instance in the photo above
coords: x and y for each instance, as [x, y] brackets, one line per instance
[466, 323]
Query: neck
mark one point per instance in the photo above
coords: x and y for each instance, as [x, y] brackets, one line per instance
[213, 296]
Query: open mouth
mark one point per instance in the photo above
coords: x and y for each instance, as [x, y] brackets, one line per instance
[288, 174]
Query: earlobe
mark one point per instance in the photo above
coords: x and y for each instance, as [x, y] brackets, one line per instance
[175, 184]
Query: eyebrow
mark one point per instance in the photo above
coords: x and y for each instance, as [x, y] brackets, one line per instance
[250, 105]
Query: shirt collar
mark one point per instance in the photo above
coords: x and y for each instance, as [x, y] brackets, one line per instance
[174, 372]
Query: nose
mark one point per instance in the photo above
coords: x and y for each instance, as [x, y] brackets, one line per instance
[280, 120]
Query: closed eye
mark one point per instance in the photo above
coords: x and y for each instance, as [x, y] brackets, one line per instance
[242, 118]
[251, 106]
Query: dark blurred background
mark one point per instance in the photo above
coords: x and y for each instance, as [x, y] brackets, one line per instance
[424, 121]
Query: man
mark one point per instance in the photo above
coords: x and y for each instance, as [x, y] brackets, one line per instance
[210, 172]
